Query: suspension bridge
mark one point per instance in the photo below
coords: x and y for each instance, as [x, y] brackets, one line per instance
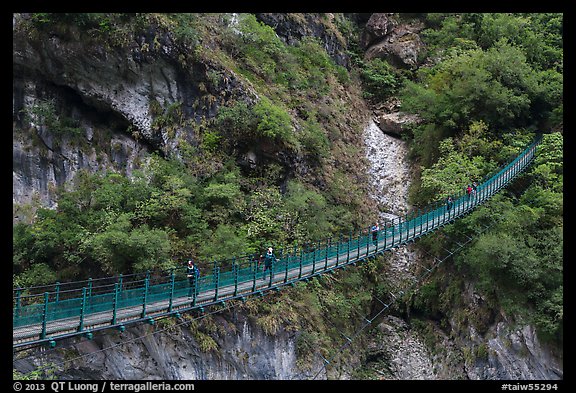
[44, 315]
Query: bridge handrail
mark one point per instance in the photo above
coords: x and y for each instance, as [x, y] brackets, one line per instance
[91, 282]
[50, 306]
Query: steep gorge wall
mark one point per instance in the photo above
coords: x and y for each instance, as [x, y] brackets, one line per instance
[98, 87]
[113, 96]
[240, 351]
[243, 352]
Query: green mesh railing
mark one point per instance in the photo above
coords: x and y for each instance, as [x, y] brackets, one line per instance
[74, 308]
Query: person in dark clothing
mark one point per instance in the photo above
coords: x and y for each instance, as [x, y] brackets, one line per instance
[474, 188]
[269, 259]
[192, 272]
[375, 230]
[259, 259]
[449, 203]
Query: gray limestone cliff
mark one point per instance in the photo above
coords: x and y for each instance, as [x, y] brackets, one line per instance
[110, 105]
[111, 102]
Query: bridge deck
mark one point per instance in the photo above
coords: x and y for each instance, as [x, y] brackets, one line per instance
[51, 320]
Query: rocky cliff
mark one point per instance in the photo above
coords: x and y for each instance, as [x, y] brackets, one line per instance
[231, 344]
[240, 351]
[116, 104]
[116, 97]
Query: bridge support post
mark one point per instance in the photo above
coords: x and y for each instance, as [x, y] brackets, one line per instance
[385, 226]
[235, 272]
[145, 296]
[404, 227]
[57, 292]
[216, 282]
[82, 309]
[457, 206]
[18, 302]
[359, 235]
[171, 290]
[314, 258]
[367, 242]
[254, 274]
[114, 304]
[286, 265]
[44, 316]
[338, 251]
[407, 226]
[327, 249]
[348, 248]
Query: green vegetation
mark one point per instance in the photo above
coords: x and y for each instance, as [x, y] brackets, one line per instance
[510, 84]
[203, 205]
[242, 126]
[380, 79]
[44, 114]
[496, 80]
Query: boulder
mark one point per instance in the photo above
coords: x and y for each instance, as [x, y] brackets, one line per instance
[397, 43]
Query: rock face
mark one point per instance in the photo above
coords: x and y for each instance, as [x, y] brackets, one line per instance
[398, 43]
[395, 123]
[291, 28]
[515, 353]
[242, 352]
[390, 172]
[502, 350]
[378, 26]
[120, 98]
[398, 353]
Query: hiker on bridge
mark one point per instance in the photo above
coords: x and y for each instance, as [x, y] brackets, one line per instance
[257, 260]
[193, 273]
[375, 229]
[269, 259]
[449, 203]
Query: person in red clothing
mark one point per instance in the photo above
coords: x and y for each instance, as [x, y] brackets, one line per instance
[469, 191]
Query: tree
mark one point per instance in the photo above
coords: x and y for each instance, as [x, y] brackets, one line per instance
[453, 171]
[380, 79]
[496, 85]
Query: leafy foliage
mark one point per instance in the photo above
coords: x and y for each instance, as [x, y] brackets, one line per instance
[495, 82]
[273, 122]
[380, 79]
[504, 70]
[496, 86]
[453, 171]
[495, 79]
[44, 114]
